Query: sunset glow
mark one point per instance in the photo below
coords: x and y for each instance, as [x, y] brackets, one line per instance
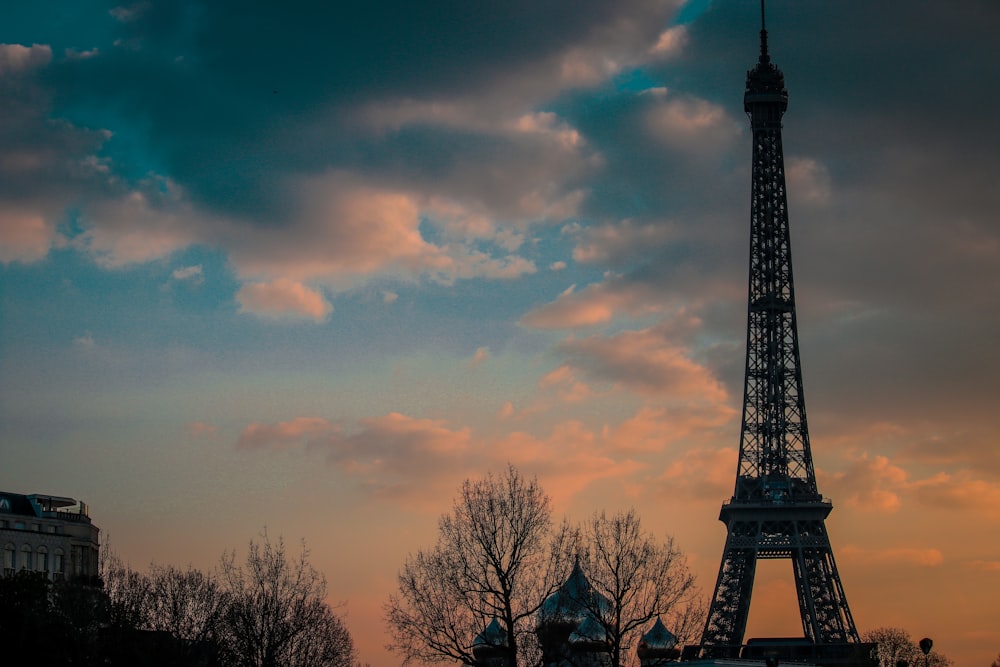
[307, 268]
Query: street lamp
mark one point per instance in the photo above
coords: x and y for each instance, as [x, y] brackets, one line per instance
[925, 645]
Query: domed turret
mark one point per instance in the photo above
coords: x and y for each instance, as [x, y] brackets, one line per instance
[490, 646]
[569, 630]
[657, 646]
[574, 600]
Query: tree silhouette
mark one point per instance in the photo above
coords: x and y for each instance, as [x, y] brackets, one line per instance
[495, 558]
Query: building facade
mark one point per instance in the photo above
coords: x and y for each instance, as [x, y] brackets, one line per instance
[50, 534]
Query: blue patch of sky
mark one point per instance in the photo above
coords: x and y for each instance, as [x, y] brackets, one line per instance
[81, 24]
[635, 81]
[690, 11]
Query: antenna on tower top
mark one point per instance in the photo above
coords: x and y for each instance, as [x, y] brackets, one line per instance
[764, 58]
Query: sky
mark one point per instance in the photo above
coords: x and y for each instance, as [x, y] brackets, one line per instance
[305, 267]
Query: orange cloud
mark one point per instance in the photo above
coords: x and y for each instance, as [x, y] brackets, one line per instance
[895, 556]
[869, 484]
[991, 566]
[961, 491]
[284, 434]
[654, 428]
[702, 473]
[283, 298]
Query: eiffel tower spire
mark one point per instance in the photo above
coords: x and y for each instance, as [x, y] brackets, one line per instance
[776, 510]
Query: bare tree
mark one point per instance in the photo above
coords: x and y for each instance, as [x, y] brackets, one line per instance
[276, 615]
[189, 604]
[895, 645]
[127, 590]
[495, 557]
[634, 579]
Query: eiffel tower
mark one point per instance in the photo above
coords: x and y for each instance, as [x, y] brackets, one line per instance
[776, 510]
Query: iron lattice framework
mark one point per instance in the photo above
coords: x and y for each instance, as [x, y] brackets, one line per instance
[776, 510]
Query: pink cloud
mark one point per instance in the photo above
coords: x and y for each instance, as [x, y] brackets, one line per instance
[201, 429]
[481, 355]
[16, 58]
[24, 237]
[141, 226]
[693, 125]
[283, 435]
[671, 42]
[596, 304]
[647, 361]
[808, 181]
[283, 298]
[564, 380]
[614, 243]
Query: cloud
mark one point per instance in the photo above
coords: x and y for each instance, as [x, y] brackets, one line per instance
[481, 355]
[989, 566]
[870, 484]
[655, 428]
[960, 491]
[693, 126]
[921, 557]
[24, 237]
[17, 58]
[200, 429]
[283, 298]
[808, 181]
[85, 342]
[189, 273]
[595, 304]
[142, 225]
[671, 42]
[283, 435]
[700, 472]
[650, 362]
[616, 244]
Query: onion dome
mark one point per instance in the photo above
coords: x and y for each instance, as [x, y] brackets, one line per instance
[658, 637]
[575, 600]
[589, 632]
[492, 637]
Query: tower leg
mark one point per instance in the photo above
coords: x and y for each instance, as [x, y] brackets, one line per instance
[727, 617]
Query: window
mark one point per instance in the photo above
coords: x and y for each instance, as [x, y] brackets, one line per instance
[19, 525]
[25, 557]
[42, 560]
[8, 558]
[59, 565]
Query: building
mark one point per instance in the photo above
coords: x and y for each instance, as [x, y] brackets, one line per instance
[50, 534]
[568, 631]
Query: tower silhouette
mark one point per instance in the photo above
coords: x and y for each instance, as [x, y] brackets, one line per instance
[776, 510]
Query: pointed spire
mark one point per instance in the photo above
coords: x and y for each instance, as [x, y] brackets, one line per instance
[764, 57]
